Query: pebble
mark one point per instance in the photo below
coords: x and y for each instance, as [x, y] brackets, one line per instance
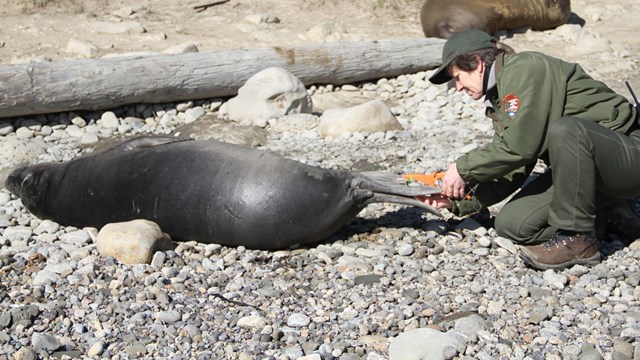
[46, 342]
[26, 353]
[298, 320]
[6, 128]
[193, 114]
[404, 249]
[158, 259]
[77, 237]
[24, 133]
[109, 120]
[82, 48]
[557, 280]
[505, 244]
[253, 322]
[168, 317]
[96, 349]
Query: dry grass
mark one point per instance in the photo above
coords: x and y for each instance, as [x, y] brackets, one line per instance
[67, 6]
[399, 9]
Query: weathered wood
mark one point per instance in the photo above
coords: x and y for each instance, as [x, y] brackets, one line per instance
[203, 7]
[96, 84]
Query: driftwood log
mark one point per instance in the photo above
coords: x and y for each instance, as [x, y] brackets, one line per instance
[97, 84]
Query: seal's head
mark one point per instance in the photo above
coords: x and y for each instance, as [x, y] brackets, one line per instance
[29, 183]
[459, 43]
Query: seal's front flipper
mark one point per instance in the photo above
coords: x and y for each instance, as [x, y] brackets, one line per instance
[148, 141]
[391, 188]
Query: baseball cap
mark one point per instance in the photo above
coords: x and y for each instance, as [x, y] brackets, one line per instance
[460, 43]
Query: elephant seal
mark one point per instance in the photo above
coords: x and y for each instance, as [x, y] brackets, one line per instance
[441, 18]
[208, 191]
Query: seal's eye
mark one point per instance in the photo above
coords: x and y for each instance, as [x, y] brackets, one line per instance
[31, 184]
[27, 181]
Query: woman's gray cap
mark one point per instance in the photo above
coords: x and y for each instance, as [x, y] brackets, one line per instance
[460, 43]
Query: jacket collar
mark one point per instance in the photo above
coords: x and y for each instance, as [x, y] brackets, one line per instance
[491, 91]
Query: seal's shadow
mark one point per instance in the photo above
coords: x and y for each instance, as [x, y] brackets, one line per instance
[575, 19]
[407, 217]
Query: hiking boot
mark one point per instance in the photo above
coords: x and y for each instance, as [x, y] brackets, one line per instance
[623, 219]
[562, 250]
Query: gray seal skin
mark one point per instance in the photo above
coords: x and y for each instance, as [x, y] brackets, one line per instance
[441, 18]
[208, 191]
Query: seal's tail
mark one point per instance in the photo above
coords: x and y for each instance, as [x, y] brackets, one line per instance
[391, 188]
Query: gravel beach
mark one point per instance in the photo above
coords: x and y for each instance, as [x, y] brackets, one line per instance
[392, 284]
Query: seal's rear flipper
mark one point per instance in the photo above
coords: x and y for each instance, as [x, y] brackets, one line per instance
[395, 199]
[391, 188]
[388, 183]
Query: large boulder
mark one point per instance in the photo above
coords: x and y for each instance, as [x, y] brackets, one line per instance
[271, 93]
[372, 116]
[132, 242]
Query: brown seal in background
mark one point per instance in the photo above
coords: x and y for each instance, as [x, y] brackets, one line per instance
[441, 18]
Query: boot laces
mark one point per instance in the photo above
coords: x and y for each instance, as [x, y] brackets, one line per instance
[555, 240]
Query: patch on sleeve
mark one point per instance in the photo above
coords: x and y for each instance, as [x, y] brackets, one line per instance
[510, 104]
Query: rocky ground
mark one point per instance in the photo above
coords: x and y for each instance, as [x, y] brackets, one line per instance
[393, 283]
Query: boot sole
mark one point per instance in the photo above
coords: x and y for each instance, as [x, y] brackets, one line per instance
[529, 261]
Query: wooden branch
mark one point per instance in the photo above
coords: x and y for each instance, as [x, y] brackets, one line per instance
[204, 7]
[98, 84]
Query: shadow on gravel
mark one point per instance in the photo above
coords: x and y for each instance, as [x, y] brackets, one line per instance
[400, 219]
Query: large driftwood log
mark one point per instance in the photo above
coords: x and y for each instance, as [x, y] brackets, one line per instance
[96, 84]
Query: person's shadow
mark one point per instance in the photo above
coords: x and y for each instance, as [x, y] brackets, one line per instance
[621, 226]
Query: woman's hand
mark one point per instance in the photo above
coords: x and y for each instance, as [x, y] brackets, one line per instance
[452, 184]
[437, 201]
